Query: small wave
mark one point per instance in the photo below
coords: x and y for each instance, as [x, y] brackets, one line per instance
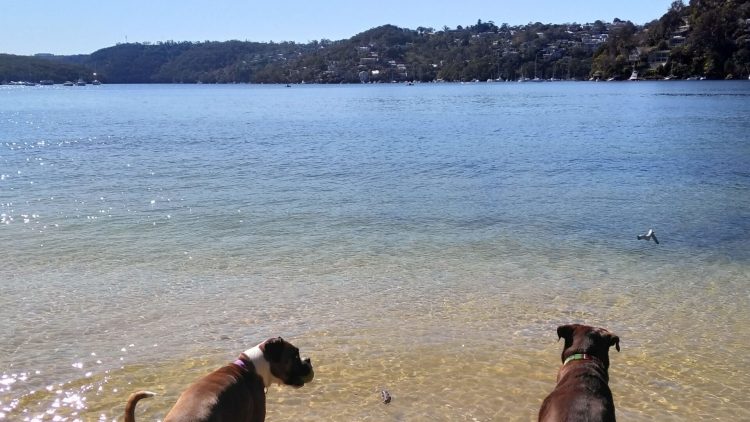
[703, 94]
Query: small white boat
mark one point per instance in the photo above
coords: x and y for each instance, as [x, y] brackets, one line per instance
[634, 76]
[80, 82]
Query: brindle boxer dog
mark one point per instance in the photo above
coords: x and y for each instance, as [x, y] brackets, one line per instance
[582, 392]
[236, 392]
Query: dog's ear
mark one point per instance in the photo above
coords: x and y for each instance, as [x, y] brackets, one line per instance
[614, 341]
[273, 349]
[566, 332]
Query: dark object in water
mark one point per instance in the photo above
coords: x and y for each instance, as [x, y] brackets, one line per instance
[385, 396]
[648, 236]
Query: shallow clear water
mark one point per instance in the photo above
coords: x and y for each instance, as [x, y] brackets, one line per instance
[425, 239]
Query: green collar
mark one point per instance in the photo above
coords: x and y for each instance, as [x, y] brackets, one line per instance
[578, 356]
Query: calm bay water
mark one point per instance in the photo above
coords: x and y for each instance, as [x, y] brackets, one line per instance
[425, 239]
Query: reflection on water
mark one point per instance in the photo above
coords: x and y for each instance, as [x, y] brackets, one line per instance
[149, 239]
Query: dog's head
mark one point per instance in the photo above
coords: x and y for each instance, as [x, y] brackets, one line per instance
[285, 362]
[589, 340]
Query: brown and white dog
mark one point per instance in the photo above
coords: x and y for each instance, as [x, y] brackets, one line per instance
[582, 392]
[236, 392]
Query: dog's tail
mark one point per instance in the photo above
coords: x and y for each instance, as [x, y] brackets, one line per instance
[132, 401]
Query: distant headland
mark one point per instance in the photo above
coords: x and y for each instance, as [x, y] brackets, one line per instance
[705, 39]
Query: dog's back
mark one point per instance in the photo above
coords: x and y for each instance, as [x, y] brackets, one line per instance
[582, 392]
[229, 393]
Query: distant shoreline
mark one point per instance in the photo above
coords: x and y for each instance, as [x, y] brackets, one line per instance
[34, 84]
[681, 44]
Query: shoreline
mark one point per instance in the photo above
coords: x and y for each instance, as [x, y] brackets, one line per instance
[624, 79]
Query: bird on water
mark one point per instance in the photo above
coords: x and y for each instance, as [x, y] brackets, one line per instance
[648, 236]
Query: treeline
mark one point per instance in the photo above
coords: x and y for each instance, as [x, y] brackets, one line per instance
[718, 43]
[23, 68]
[708, 38]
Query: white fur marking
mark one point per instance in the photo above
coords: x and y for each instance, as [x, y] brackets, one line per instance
[262, 367]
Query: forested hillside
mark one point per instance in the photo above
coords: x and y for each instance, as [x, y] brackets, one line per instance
[705, 38]
[23, 68]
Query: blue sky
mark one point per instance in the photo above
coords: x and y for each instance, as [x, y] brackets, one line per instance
[84, 26]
